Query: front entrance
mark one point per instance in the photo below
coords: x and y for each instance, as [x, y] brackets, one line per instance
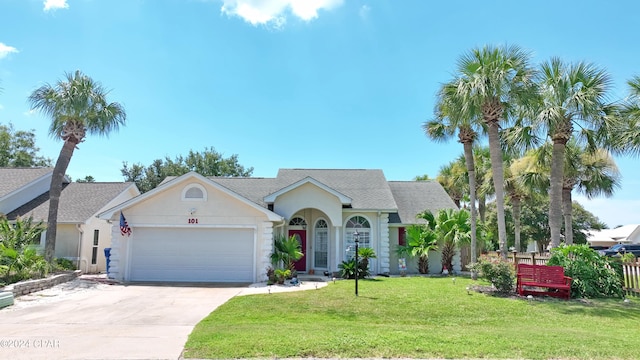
[301, 236]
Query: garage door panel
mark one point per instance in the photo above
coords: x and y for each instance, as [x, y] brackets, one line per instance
[195, 255]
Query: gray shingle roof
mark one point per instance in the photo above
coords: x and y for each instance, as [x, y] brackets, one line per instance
[367, 188]
[14, 178]
[78, 202]
[414, 197]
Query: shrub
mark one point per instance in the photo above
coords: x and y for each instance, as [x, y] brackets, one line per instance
[593, 275]
[497, 271]
[348, 269]
[64, 264]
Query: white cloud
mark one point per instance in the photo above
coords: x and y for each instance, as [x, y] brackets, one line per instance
[6, 50]
[364, 11]
[55, 4]
[275, 12]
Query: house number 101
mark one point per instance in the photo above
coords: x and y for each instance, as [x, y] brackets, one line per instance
[193, 221]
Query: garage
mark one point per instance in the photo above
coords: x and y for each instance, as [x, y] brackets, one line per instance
[192, 255]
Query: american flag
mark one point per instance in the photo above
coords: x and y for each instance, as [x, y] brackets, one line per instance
[124, 227]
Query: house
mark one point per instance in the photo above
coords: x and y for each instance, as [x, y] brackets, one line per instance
[627, 234]
[81, 237]
[217, 229]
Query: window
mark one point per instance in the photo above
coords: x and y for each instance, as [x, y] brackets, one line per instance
[94, 250]
[298, 221]
[321, 245]
[360, 224]
[194, 192]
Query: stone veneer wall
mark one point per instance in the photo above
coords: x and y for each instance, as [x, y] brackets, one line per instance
[29, 286]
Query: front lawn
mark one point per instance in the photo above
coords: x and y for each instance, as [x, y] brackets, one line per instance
[415, 317]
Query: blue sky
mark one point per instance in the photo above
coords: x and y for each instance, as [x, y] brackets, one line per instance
[292, 83]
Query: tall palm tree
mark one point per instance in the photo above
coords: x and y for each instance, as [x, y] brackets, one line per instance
[591, 173]
[490, 81]
[571, 95]
[77, 105]
[448, 121]
[628, 132]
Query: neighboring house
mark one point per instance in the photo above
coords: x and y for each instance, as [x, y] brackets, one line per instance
[81, 236]
[197, 229]
[627, 234]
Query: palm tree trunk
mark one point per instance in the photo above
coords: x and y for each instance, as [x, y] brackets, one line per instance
[495, 152]
[568, 215]
[482, 208]
[468, 155]
[515, 206]
[55, 190]
[555, 191]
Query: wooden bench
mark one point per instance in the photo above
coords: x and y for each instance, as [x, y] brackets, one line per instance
[543, 280]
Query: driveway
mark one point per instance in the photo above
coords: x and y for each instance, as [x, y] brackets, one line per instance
[108, 321]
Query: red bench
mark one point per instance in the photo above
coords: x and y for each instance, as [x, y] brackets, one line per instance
[543, 280]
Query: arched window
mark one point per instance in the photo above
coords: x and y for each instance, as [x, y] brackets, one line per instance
[298, 221]
[194, 192]
[363, 227]
[321, 245]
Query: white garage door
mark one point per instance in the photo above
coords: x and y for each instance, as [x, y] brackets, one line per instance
[192, 255]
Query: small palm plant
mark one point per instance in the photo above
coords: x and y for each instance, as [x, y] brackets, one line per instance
[366, 253]
[420, 242]
[287, 251]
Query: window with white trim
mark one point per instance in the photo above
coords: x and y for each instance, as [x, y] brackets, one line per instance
[298, 221]
[361, 224]
[94, 250]
[321, 245]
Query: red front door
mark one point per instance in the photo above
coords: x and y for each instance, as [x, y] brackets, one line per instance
[301, 236]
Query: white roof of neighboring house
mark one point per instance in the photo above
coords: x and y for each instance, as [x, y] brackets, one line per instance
[622, 234]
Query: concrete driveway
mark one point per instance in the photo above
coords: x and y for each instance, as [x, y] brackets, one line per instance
[108, 322]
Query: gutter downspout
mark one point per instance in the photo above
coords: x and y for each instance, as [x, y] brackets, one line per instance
[80, 233]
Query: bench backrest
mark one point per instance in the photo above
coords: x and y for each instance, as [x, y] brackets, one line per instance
[542, 274]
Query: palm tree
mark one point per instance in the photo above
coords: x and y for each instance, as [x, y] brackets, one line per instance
[570, 95]
[450, 120]
[452, 229]
[452, 177]
[592, 173]
[628, 132]
[421, 240]
[77, 105]
[286, 251]
[491, 81]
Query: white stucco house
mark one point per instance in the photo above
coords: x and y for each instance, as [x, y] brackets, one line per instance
[81, 236]
[627, 234]
[193, 228]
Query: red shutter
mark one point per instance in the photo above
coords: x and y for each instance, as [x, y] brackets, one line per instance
[402, 240]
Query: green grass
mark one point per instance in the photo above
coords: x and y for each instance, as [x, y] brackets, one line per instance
[415, 317]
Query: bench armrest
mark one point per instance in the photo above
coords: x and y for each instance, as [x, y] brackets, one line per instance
[567, 280]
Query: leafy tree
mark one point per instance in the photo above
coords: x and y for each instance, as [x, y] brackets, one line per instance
[535, 222]
[593, 276]
[18, 148]
[207, 163]
[424, 177]
[77, 105]
[18, 257]
[490, 82]
[87, 179]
